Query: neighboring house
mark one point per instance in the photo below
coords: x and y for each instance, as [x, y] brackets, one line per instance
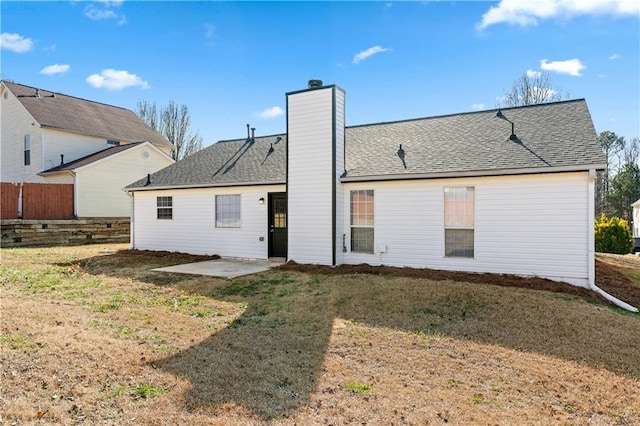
[464, 192]
[51, 138]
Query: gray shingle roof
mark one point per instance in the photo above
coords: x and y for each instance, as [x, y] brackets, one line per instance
[227, 163]
[551, 136]
[559, 134]
[72, 165]
[86, 117]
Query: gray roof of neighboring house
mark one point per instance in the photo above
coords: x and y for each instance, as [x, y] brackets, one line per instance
[554, 136]
[59, 111]
[72, 165]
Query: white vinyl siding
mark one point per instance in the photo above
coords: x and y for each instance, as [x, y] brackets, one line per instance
[310, 176]
[228, 211]
[340, 135]
[192, 229]
[16, 123]
[71, 145]
[533, 225]
[100, 186]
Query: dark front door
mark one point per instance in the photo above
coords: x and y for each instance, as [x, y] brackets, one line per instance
[278, 224]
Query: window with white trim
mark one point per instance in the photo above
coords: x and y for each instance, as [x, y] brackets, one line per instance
[27, 150]
[165, 207]
[362, 230]
[228, 211]
[459, 221]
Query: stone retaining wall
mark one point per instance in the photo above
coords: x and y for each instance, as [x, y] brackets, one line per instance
[25, 233]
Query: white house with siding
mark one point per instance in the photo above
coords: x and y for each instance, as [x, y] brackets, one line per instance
[52, 138]
[508, 191]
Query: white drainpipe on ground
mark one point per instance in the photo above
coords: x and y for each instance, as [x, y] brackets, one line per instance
[612, 299]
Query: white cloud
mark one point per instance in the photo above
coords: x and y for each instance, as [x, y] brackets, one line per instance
[365, 54]
[105, 11]
[477, 107]
[15, 43]
[570, 66]
[533, 74]
[96, 14]
[272, 112]
[615, 56]
[524, 13]
[55, 69]
[111, 79]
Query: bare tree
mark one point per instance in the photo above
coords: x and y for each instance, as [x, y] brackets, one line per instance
[173, 121]
[530, 89]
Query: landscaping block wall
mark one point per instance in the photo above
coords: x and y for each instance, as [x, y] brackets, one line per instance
[25, 233]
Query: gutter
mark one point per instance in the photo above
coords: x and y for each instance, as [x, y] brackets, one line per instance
[202, 185]
[473, 173]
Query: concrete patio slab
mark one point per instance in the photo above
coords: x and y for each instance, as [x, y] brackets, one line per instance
[223, 268]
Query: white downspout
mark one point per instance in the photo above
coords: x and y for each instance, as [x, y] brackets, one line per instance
[591, 251]
[132, 242]
[75, 193]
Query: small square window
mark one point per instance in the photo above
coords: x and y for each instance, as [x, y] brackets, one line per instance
[228, 211]
[165, 207]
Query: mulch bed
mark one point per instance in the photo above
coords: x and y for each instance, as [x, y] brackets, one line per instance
[171, 255]
[617, 284]
[607, 278]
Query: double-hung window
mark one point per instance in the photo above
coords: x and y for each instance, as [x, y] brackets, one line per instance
[228, 211]
[165, 207]
[459, 221]
[27, 150]
[362, 231]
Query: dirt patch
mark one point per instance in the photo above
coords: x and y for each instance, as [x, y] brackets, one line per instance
[616, 283]
[607, 278]
[170, 255]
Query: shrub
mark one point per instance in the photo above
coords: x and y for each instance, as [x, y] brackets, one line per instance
[613, 235]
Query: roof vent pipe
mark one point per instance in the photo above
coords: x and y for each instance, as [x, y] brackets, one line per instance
[37, 93]
[148, 182]
[253, 134]
[248, 134]
[61, 159]
[315, 84]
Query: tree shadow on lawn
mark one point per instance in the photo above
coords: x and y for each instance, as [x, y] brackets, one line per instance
[268, 360]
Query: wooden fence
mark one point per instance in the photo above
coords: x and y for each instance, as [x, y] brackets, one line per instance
[9, 195]
[39, 201]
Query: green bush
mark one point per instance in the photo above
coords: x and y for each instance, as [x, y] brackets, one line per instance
[613, 235]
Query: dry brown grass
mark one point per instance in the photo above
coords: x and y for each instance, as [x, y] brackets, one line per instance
[87, 337]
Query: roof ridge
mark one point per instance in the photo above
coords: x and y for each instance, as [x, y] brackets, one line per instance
[463, 113]
[64, 94]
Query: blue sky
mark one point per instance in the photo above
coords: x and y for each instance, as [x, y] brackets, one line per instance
[231, 63]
